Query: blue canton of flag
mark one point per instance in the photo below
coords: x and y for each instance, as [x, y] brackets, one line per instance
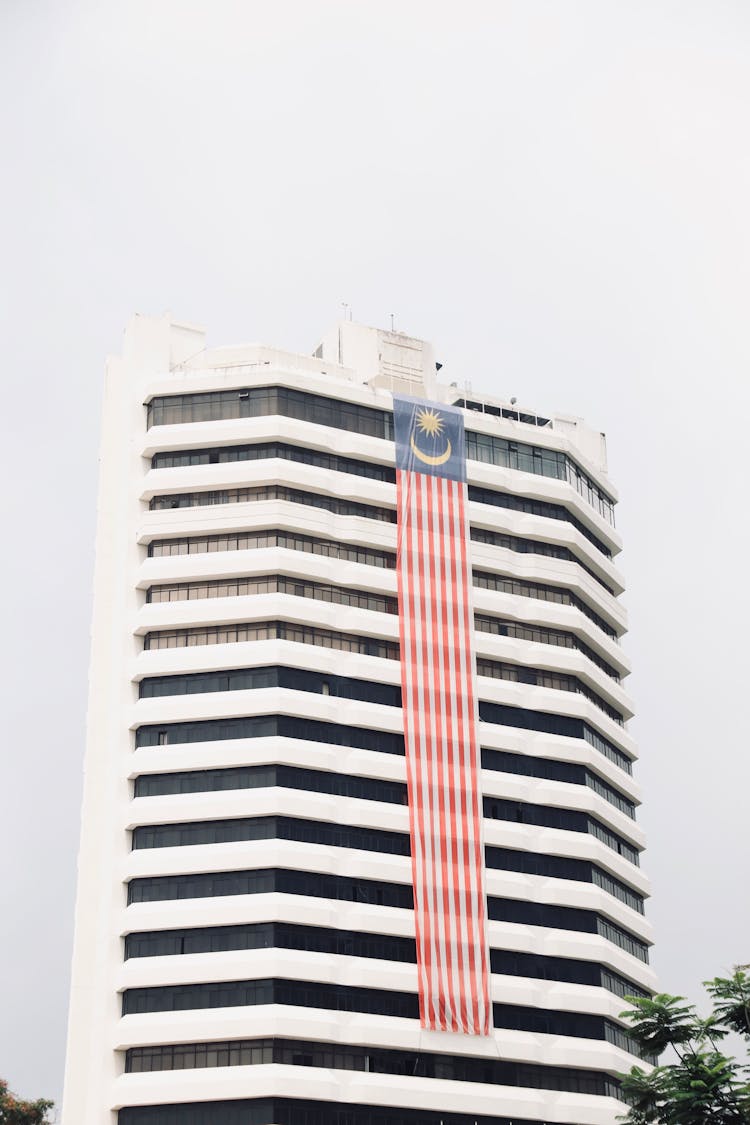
[429, 438]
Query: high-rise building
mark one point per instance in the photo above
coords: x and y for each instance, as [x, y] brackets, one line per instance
[245, 934]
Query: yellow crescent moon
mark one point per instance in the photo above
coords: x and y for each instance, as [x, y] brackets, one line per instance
[439, 460]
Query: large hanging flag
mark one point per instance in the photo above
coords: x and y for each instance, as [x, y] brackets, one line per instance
[440, 718]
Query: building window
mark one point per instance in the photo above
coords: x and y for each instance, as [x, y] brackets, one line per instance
[240, 829]
[264, 451]
[542, 677]
[270, 630]
[543, 591]
[166, 888]
[258, 493]
[161, 548]
[496, 713]
[296, 1111]
[272, 584]
[350, 943]
[260, 540]
[377, 1060]
[365, 788]
[370, 1001]
[396, 843]
[255, 402]
[565, 725]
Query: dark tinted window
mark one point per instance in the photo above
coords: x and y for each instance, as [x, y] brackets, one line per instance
[565, 725]
[223, 454]
[295, 1111]
[350, 998]
[373, 1060]
[368, 789]
[165, 888]
[263, 726]
[382, 947]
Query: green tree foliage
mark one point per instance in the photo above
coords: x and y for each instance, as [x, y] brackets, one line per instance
[704, 1085]
[13, 1111]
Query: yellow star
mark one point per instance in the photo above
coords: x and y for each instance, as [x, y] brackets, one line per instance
[429, 423]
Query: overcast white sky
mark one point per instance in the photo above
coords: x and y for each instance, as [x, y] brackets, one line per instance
[555, 192]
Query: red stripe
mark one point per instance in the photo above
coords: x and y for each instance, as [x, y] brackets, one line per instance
[437, 674]
[447, 1017]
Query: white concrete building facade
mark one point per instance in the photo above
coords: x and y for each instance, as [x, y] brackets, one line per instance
[244, 949]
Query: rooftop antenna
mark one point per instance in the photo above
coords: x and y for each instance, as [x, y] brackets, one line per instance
[347, 310]
[393, 328]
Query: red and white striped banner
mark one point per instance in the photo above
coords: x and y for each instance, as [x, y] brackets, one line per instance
[442, 755]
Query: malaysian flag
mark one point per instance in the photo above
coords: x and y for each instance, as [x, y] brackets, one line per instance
[440, 718]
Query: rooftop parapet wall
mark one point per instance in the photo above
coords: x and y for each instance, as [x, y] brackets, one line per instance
[357, 354]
